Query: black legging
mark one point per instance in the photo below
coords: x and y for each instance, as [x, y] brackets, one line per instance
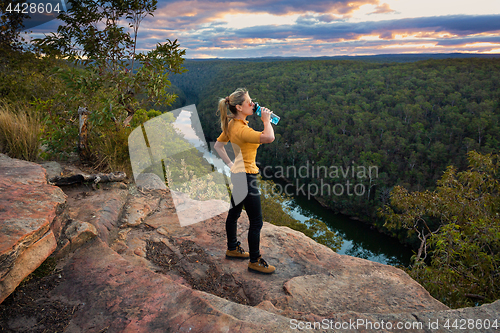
[254, 212]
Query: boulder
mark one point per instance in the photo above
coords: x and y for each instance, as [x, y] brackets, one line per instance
[77, 233]
[150, 181]
[138, 207]
[28, 205]
[117, 296]
[52, 168]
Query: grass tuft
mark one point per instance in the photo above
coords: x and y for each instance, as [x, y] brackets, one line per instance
[20, 131]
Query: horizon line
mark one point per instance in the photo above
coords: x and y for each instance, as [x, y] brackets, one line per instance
[470, 54]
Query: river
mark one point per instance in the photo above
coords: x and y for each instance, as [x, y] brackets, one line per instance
[359, 239]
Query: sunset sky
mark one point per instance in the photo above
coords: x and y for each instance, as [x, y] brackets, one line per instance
[260, 28]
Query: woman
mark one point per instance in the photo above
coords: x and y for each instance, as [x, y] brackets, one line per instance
[245, 142]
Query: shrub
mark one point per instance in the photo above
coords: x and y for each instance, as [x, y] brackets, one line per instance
[459, 226]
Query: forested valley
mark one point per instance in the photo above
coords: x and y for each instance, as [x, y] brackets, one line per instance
[409, 120]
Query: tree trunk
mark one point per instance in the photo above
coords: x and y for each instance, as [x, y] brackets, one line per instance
[96, 178]
[83, 147]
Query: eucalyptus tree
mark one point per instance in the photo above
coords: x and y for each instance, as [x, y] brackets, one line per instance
[110, 77]
[458, 225]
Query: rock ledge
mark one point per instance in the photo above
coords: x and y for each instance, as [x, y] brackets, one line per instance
[127, 265]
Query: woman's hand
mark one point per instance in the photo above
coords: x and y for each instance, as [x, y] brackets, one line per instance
[219, 147]
[265, 115]
[267, 135]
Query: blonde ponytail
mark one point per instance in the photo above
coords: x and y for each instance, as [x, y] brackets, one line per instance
[230, 102]
[224, 119]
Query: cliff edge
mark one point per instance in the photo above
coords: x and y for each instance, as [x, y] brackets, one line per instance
[126, 265]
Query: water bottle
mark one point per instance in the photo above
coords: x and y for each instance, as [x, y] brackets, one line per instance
[274, 118]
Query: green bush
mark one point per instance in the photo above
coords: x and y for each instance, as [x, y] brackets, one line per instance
[459, 228]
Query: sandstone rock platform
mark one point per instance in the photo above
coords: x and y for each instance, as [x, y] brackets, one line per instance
[28, 205]
[134, 268]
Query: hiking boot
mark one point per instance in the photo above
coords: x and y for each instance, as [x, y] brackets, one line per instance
[261, 266]
[239, 253]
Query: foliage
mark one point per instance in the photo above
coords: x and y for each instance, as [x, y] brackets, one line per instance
[27, 81]
[275, 210]
[204, 187]
[115, 145]
[109, 77]
[113, 150]
[158, 147]
[25, 77]
[459, 226]
[20, 131]
[11, 23]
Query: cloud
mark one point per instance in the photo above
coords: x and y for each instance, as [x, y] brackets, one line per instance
[286, 7]
[305, 38]
[469, 41]
[457, 25]
[382, 9]
[309, 19]
[305, 49]
[320, 27]
[185, 15]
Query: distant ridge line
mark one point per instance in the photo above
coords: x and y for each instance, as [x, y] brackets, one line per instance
[374, 58]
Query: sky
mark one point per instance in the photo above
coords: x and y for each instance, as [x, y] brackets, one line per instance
[313, 28]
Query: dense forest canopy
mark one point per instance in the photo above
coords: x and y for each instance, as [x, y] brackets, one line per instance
[410, 120]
